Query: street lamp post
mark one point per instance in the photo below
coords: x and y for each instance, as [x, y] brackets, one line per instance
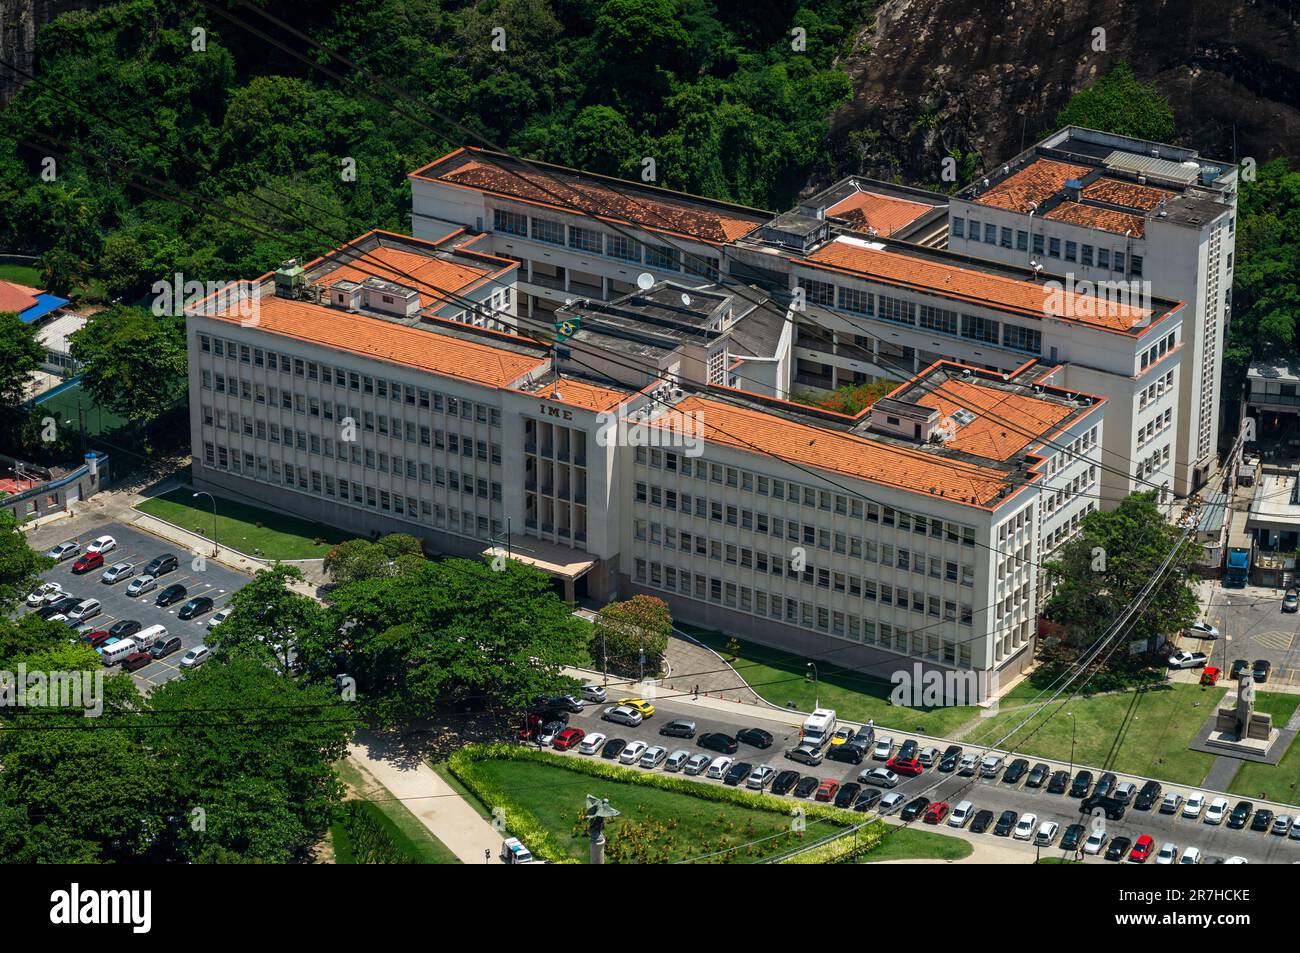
[817, 686]
[1074, 727]
[216, 549]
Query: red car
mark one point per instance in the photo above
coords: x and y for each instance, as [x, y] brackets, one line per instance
[96, 638]
[936, 812]
[827, 790]
[1142, 849]
[567, 738]
[136, 660]
[87, 562]
[909, 767]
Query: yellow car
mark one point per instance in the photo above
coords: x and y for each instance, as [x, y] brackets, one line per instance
[638, 704]
[842, 736]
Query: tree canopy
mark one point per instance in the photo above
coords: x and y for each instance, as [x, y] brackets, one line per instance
[1118, 102]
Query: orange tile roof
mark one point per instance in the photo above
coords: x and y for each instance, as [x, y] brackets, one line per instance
[16, 297]
[1128, 194]
[1105, 219]
[1033, 184]
[570, 191]
[583, 394]
[386, 341]
[884, 213]
[844, 453]
[1019, 295]
[988, 438]
[423, 271]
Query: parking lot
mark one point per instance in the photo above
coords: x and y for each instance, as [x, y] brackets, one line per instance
[1253, 626]
[207, 578]
[986, 793]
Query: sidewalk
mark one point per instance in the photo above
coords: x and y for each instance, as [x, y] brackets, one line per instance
[447, 815]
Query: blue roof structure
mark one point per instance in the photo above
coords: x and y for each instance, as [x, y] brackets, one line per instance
[45, 303]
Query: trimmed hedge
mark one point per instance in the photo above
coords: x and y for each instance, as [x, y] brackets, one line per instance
[843, 848]
[523, 825]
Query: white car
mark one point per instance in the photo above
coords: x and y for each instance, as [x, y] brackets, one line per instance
[632, 753]
[45, 593]
[117, 572]
[140, 585]
[1190, 856]
[591, 743]
[64, 551]
[884, 747]
[622, 715]
[720, 766]
[222, 615]
[1236, 859]
[1025, 827]
[1046, 833]
[1168, 853]
[1095, 842]
[1194, 804]
[196, 656]
[1202, 630]
[1217, 811]
[102, 544]
[961, 814]
[1188, 660]
[653, 757]
[697, 764]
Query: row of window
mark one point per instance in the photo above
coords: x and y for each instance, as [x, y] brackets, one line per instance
[929, 644]
[420, 397]
[1155, 389]
[1084, 254]
[1085, 480]
[1155, 427]
[1076, 449]
[1158, 350]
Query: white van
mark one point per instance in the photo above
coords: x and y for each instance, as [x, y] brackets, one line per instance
[818, 727]
[147, 637]
[118, 651]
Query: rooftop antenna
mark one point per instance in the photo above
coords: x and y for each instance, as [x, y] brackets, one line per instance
[645, 281]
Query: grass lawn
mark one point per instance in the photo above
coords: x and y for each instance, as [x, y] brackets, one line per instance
[21, 274]
[665, 825]
[907, 843]
[1144, 732]
[1278, 704]
[1281, 783]
[404, 827]
[781, 677]
[253, 531]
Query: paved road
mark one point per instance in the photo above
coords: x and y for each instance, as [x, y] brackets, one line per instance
[1253, 627]
[984, 793]
[202, 578]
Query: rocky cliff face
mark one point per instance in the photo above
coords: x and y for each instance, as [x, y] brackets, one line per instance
[19, 21]
[989, 77]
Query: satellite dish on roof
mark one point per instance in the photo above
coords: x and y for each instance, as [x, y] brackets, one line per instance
[686, 300]
[645, 281]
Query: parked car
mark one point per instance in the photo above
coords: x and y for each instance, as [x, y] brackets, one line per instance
[1194, 804]
[935, 813]
[1263, 820]
[1146, 798]
[60, 606]
[880, 777]
[990, 766]
[1239, 668]
[1110, 807]
[1096, 842]
[1073, 837]
[968, 765]
[908, 767]
[717, 741]
[737, 772]
[622, 715]
[44, 593]
[164, 646]
[1081, 785]
[1015, 771]
[1007, 823]
[591, 743]
[870, 797]
[1291, 601]
[1185, 659]
[891, 802]
[842, 735]
[848, 793]
[914, 808]
[1038, 775]
[1124, 792]
[161, 565]
[653, 756]
[593, 693]
[696, 764]
[908, 750]
[1217, 811]
[196, 656]
[135, 661]
[195, 608]
[760, 777]
[171, 595]
[64, 551]
[864, 738]
[883, 749]
[805, 787]
[1240, 815]
[218, 617]
[1259, 671]
[141, 584]
[719, 767]
[83, 610]
[948, 761]
[548, 732]
[928, 756]
[979, 820]
[614, 747]
[679, 728]
[101, 545]
[1046, 834]
[1190, 856]
[631, 754]
[807, 754]
[97, 638]
[1282, 824]
[1172, 803]
[568, 738]
[849, 753]
[637, 704]
[1142, 849]
[1105, 785]
[86, 562]
[1202, 630]
[1118, 848]
[1025, 827]
[116, 573]
[784, 782]
[756, 737]
[1168, 853]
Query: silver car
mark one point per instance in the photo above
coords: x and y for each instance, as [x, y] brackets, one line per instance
[64, 551]
[593, 693]
[117, 572]
[697, 764]
[891, 802]
[653, 757]
[760, 777]
[880, 777]
[677, 760]
[805, 754]
[140, 585]
[622, 715]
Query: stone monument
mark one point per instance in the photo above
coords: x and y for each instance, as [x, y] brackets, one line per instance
[1239, 727]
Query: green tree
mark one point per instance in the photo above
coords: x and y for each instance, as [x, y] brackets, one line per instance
[627, 630]
[20, 565]
[356, 559]
[270, 622]
[20, 355]
[1115, 555]
[1117, 102]
[132, 363]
